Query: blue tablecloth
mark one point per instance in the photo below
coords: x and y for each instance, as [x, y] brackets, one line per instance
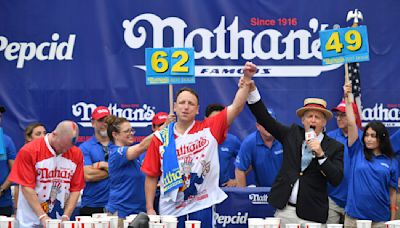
[241, 204]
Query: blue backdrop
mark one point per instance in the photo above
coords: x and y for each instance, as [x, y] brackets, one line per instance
[60, 59]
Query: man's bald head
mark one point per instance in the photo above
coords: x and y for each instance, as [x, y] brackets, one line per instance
[67, 128]
[64, 136]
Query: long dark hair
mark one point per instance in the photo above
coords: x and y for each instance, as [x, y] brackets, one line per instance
[382, 136]
[113, 125]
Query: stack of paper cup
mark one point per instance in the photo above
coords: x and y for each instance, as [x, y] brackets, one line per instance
[192, 224]
[101, 224]
[6, 222]
[126, 223]
[99, 215]
[85, 224]
[334, 225]
[157, 225]
[113, 221]
[70, 224]
[393, 224]
[293, 225]
[83, 218]
[272, 222]
[53, 223]
[313, 225]
[170, 221]
[154, 218]
[255, 223]
[364, 223]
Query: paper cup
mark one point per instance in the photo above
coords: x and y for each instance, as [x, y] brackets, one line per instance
[99, 215]
[53, 223]
[69, 224]
[313, 225]
[101, 224]
[113, 221]
[255, 223]
[83, 218]
[393, 224]
[334, 225]
[293, 225]
[154, 218]
[85, 224]
[168, 218]
[156, 225]
[6, 222]
[192, 224]
[272, 222]
[364, 223]
[126, 223]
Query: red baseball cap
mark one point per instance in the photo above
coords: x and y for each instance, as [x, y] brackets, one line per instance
[341, 107]
[159, 118]
[100, 112]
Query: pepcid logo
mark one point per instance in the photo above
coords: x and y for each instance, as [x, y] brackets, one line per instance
[231, 219]
[388, 114]
[224, 40]
[26, 51]
[137, 115]
[258, 199]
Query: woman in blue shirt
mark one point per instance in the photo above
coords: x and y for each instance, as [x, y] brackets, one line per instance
[126, 180]
[373, 177]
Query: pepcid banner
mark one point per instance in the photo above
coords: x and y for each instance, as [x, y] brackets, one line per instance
[242, 204]
[59, 60]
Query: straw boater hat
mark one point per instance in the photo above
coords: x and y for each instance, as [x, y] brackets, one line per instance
[316, 104]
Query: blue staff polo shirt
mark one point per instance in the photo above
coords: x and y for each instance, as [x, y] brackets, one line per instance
[369, 183]
[266, 161]
[227, 153]
[126, 184]
[339, 193]
[95, 193]
[395, 140]
[11, 152]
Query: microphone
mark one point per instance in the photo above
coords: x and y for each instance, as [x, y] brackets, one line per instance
[310, 134]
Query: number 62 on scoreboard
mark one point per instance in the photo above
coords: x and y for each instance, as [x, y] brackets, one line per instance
[169, 65]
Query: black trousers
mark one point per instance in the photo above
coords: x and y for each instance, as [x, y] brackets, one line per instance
[88, 211]
[7, 211]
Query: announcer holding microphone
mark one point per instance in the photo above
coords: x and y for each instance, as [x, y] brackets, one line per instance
[300, 190]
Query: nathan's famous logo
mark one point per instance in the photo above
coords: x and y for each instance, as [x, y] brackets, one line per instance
[193, 147]
[26, 51]
[45, 173]
[229, 42]
[258, 199]
[137, 115]
[389, 115]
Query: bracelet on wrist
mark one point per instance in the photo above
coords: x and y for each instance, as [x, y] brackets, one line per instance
[42, 216]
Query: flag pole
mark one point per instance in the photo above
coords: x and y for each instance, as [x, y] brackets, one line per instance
[171, 99]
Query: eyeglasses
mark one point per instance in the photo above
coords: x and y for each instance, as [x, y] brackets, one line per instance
[340, 114]
[105, 150]
[129, 131]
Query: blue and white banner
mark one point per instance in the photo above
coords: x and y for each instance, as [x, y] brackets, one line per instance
[61, 59]
[242, 204]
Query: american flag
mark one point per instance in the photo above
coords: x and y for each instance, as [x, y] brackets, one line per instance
[354, 76]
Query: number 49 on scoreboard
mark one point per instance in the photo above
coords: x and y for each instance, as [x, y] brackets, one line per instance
[169, 66]
[344, 45]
